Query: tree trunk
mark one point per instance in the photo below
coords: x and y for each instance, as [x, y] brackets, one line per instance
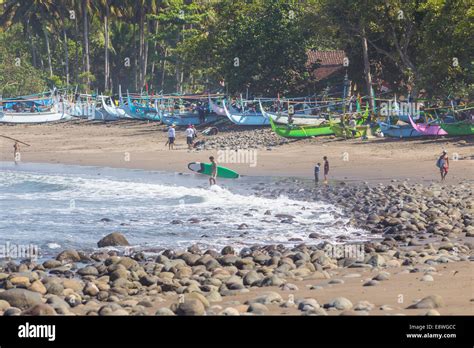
[106, 34]
[32, 45]
[136, 65]
[76, 59]
[85, 4]
[46, 38]
[66, 54]
[145, 58]
[163, 71]
[368, 76]
[155, 52]
[141, 48]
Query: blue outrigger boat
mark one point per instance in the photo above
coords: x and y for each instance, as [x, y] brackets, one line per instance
[246, 117]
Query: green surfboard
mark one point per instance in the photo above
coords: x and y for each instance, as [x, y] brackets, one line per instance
[206, 169]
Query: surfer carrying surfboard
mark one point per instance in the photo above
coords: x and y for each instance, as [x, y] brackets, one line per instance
[212, 179]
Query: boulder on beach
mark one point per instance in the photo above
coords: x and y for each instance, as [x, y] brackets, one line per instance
[113, 239]
[70, 255]
[429, 302]
[21, 298]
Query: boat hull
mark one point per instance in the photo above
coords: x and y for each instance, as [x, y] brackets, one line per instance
[246, 119]
[458, 128]
[186, 119]
[399, 131]
[296, 131]
[344, 131]
[427, 129]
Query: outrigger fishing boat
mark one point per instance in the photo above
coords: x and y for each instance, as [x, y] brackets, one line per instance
[39, 111]
[427, 129]
[175, 112]
[458, 128]
[245, 117]
[398, 131]
[299, 118]
[300, 131]
[360, 130]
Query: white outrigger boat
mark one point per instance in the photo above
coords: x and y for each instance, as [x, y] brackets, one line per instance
[299, 119]
[56, 112]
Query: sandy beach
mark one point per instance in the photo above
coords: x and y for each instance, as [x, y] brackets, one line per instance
[138, 144]
[422, 264]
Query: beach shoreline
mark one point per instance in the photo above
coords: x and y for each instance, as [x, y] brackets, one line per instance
[141, 146]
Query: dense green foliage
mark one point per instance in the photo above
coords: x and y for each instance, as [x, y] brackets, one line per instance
[233, 45]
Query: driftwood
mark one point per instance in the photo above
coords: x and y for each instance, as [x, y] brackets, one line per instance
[21, 142]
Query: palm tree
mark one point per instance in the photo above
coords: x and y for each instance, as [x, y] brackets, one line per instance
[32, 14]
[138, 11]
[106, 9]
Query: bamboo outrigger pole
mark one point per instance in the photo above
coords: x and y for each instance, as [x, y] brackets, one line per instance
[4, 136]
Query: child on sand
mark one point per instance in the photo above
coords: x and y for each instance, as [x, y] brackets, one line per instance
[16, 152]
[212, 179]
[326, 169]
[316, 172]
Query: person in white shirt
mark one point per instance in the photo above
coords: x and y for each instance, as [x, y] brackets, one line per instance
[171, 137]
[190, 133]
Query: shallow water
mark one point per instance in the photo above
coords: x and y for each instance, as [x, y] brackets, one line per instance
[57, 207]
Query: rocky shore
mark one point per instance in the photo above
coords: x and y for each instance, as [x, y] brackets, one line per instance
[238, 138]
[426, 239]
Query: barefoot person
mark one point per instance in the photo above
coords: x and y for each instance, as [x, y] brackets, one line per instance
[16, 151]
[171, 137]
[317, 169]
[212, 179]
[326, 169]
[190, 136]
[443, 164]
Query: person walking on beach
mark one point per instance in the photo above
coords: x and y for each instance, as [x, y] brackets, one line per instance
[16, 152]
[171, 137]
[317, 169]
[201, 113]
[190, 136]
[212, 179]
[443, 164]
[326, 169]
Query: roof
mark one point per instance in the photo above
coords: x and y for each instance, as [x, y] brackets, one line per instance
[330, 62]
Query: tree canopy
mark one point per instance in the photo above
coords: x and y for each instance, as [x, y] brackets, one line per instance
[234, 46]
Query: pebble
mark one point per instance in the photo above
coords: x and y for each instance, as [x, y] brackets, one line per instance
[229, 311]
[371, 283]
[427, 278]
[267, 298]
[113, 239]
[382, 276]
[190, 307]
[257, 308]
[432, 301]
[21, 298]
[164, 311]
[308, 304]
[339, 303]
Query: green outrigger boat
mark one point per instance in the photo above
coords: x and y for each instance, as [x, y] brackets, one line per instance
[361, 130]
[295, 131]
[458, 128]
[344, 131]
